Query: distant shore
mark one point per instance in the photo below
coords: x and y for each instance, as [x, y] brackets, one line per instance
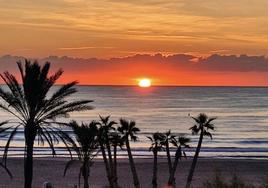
[51, 169]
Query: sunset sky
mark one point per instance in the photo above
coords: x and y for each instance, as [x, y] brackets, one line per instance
[212, 34]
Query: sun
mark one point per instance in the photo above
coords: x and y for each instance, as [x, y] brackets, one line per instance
[145, 82]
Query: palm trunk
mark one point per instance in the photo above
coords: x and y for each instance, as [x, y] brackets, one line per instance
[132, 166]
[109, 154]
[28, 166]
[171, 180]
[154, 180]
[29, 134]
[191, 172]
[114, 185]
[108, 174]
[86, 174]
[115, 166]
[168, 157]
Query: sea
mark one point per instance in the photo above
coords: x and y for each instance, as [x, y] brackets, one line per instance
[241, 127]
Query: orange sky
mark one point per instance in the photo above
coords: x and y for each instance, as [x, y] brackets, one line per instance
[179, 69]
[122, 28]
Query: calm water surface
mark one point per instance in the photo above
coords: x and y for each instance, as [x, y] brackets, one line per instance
[241, 124]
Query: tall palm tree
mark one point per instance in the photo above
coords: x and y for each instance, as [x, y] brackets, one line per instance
[106, 126]
[168, 138]
[86, 137]
[129, 131]
[180, 142]
[35, 111]
[202, 127]
[157, 145]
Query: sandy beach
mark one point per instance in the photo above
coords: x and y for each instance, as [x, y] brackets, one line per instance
[49, 169]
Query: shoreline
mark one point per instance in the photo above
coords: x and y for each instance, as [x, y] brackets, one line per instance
[51, 169]
[140, 152]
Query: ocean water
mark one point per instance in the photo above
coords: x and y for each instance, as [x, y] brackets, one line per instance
[241, 124]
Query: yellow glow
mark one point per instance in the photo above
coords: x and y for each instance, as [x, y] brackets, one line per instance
[145, 82]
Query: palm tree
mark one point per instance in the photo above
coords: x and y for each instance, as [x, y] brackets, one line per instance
[167, 138]
[202, 127]
[35, 111]
[106, 126]
[86, 137]
[129, 131]
[157, 145]
[180, 142]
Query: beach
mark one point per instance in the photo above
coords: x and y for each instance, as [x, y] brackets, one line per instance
[252, 171]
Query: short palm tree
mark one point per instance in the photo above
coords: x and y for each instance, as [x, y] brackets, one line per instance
[106, 126]
[87, 149]
[35, 111]
[179, 142]
[129, 130]
[156, 146]
[202, 127]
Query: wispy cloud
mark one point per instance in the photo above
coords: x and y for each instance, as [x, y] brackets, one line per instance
[86, 47]
[23, 49]
[134, 25]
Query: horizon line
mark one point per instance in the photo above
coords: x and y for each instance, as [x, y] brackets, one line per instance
[134, 85]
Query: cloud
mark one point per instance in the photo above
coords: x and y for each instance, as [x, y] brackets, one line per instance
[133, 25]
[86, 47]
[173, 69]
[214, 62]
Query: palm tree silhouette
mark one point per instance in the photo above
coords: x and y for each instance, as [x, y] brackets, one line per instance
[86, 137]
[157, 145]
[129, 130]
[35, 111]
[179, 142]
[106, 126]
[168, 138]
[202, 127]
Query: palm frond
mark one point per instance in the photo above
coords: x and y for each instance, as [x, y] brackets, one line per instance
[209, 126]
[44, 132]
[206, 133]
[3, 129]
[196, 119]
[7, 170]
[210, 120]
[104, 120]
[11, 136]
[65, 138]
[68, 165]
[65, 109]
[195, 129]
